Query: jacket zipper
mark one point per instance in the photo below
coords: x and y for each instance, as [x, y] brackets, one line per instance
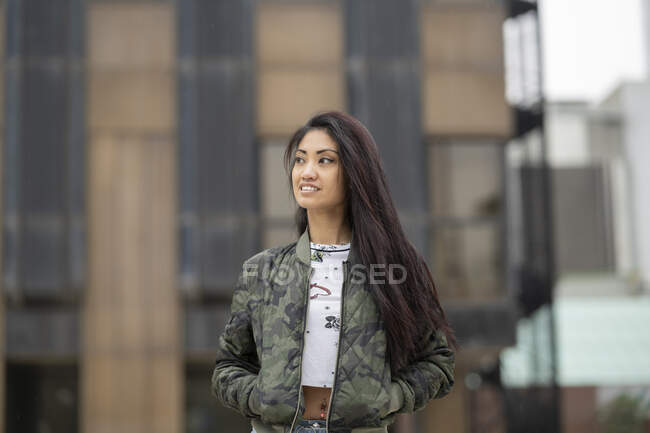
[338, 347]
[302, 346]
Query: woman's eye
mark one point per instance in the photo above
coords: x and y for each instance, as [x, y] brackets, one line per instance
[325, 160]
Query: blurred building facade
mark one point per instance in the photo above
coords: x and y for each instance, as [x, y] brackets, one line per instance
[141, 165]
[599, 155]
[600, 298]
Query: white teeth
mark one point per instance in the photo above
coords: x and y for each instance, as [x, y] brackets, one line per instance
[308, 188]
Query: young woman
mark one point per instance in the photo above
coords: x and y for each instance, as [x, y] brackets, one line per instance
[343, 329]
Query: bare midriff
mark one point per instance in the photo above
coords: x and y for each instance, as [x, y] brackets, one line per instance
[317, 401]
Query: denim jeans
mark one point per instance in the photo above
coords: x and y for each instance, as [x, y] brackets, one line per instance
[307, 426]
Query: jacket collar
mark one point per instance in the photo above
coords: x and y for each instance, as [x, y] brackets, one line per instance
[303, 250]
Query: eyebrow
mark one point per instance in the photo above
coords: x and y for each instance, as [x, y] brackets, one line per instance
[320, 151]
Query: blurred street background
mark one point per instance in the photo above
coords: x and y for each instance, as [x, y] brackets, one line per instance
[141, 164]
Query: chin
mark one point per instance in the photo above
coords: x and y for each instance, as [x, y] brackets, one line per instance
[307, 206]
[309, 203]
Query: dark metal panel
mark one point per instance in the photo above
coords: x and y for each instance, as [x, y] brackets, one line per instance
[203, 326]
[10, 167]
[394, 118]
[188, 155]
[383, 88]
[43, 397]
[42, 149]
[225, 244]
[13, 32]
[189, 254]
[536, 273]
[487, 324]
[75, 158]
[44, 163]
[382, 28]
[45, 24]
[227, 165]
[581, 229]
[42, 333]
[218, 161]
[186, 17]
[76, 31]
[41, 259]
[224, 28]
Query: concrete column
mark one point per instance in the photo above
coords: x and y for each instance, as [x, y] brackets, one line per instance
[452, 411]
[132, 352]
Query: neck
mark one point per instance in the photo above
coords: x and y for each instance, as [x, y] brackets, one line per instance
[328, 228]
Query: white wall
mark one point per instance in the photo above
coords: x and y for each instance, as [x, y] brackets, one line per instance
[646, 33]
[567, 134]
[636, 138]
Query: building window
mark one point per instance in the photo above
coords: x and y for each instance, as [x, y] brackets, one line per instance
[300, 63]
[218, 197]
[296, 77]
[278, 206]
[41, 398]
[44, 147]
[467, 200]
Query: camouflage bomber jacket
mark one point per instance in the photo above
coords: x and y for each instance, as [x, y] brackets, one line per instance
[259, 354]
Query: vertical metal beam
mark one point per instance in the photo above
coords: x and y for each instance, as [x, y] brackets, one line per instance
[10, 162]
[43, 185]
[383, 89]
[382, 42]
[218, 194]
[549, 247]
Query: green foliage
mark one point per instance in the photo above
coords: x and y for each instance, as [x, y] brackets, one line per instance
[624, 414]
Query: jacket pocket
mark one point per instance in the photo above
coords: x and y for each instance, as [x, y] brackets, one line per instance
[396, 399]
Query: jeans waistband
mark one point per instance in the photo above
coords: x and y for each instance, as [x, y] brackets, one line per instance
[312, 422]
[261, 427]
[317, 425]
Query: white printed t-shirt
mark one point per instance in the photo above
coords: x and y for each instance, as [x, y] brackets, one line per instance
[323, 314]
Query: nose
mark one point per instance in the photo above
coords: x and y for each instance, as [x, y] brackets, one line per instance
[308, 171]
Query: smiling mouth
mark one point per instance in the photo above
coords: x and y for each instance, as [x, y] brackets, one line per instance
[308, 189]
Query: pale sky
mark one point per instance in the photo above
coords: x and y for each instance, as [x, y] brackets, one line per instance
[589, 46]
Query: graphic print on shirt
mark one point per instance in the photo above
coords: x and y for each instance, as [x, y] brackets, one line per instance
[333, 322]
[324, 250]
[323, 323]
[324, 291]
[316, 256]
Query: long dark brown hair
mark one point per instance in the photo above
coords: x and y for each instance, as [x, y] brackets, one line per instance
[408, 309]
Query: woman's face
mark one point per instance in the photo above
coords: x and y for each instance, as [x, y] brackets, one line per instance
[317, 164]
